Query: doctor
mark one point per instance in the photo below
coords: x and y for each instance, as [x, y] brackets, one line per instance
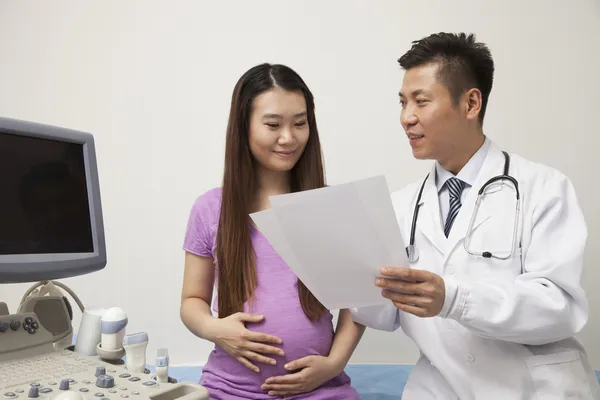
[492, 296]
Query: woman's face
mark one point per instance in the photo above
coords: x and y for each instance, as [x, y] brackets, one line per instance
[279, 129]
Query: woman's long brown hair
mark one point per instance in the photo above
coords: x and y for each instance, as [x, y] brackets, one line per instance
[235, 255]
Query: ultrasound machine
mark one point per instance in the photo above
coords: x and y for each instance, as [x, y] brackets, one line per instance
[51, 227]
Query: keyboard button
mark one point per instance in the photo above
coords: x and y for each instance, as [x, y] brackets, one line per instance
[105, 381]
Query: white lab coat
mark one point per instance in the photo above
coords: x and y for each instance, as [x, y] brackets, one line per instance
[506, 329]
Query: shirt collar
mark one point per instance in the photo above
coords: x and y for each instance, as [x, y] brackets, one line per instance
[468, 173]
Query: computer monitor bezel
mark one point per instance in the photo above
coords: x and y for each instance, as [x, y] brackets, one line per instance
[17, 268]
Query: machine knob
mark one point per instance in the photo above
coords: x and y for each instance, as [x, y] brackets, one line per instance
[15, 325]
[100, 371]
[105, 381]
[4, 326]
[34, 392]
[64, 384]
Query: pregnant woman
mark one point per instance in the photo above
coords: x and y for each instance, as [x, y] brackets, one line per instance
[272, 336]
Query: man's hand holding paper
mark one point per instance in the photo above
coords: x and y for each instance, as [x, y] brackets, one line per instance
[336, 239]
[418, 292]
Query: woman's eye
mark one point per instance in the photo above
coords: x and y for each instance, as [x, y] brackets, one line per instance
[272, 125]
[301, 123]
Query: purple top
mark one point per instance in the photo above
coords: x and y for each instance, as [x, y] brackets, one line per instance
[275, 297]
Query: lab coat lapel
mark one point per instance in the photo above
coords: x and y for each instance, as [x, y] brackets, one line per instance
[429, 221]
[493, 165]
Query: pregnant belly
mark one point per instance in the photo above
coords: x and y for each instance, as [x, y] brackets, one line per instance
[301, 338]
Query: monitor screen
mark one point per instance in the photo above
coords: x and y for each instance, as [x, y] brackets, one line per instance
[44, 205]
[51, 223]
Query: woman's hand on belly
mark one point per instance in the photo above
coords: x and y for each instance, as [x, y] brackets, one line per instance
[244, 345]
[310, 373]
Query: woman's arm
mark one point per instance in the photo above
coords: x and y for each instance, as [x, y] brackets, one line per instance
[196, 296]
[229, 333]
[347, 335]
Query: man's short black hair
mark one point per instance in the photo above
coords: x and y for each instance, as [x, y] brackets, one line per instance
[463, 63]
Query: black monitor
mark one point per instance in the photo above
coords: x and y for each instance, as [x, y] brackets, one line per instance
[51, 224]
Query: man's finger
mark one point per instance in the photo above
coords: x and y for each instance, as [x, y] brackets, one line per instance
[407, 274]
[414, 310]
[408, 299]
[399, 286]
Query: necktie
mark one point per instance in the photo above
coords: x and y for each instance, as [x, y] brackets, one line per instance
[455, 188]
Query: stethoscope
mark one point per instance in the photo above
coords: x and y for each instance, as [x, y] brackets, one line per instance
[413, 253]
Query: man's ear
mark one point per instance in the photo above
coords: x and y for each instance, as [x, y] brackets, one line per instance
[473, 101]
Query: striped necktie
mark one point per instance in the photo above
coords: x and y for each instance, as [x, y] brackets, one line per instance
[455, 188]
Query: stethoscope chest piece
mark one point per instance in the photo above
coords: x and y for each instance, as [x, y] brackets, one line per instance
[412, 253]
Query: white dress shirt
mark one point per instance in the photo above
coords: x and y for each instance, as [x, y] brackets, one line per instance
[467, 174]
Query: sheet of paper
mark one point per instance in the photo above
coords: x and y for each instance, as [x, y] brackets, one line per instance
[269, 227]
[336, 239]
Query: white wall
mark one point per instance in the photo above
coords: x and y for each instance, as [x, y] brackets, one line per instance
[152, 80]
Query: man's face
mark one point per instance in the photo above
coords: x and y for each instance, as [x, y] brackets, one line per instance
[433, 123]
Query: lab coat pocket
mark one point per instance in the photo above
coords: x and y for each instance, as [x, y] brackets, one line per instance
[559, 376]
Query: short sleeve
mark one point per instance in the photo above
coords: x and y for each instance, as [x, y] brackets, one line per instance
[202, 219]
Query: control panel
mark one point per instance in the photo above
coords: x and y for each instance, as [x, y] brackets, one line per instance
[66, 375]
[30, 368]
[22, 335]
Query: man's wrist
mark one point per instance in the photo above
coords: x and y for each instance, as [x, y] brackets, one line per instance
[451, 294]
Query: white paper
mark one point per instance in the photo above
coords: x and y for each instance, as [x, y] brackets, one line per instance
[269, 227]
[336, 239]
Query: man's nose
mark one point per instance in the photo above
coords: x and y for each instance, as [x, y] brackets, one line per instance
[408, 118]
